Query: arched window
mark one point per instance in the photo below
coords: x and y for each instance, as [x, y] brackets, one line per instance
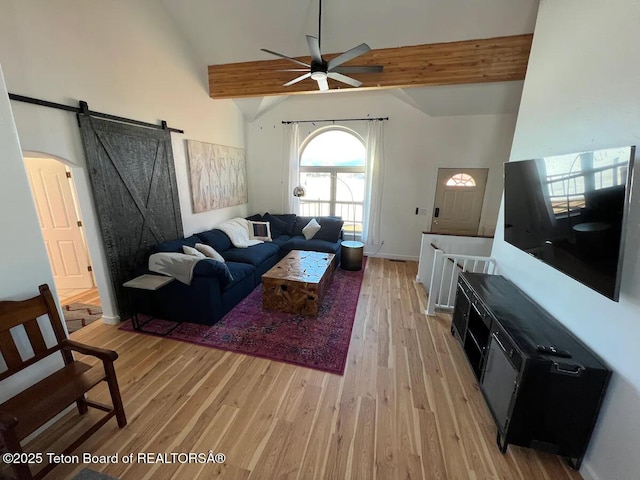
[461, 180]
[332, 172]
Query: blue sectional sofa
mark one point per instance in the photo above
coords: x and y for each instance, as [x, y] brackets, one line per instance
[212, 292]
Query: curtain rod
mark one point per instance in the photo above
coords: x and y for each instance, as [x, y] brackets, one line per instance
[334, 120]
[84, 109]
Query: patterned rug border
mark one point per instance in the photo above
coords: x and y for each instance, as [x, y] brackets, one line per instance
[164, 325]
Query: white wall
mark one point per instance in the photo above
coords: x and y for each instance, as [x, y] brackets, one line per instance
[122, 57]
[581, 93]
[20, 273]
[415, 146]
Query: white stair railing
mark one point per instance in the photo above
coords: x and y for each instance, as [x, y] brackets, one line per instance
[444, 277]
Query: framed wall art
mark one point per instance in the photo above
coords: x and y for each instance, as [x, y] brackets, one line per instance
[218, 176]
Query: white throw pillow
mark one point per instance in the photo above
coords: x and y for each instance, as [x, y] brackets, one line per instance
[260, 231]
[192, 251]
[209, 252]
[311, 229]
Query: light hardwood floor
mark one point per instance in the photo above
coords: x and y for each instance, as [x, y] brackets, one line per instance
[407, 407]
[90, 296]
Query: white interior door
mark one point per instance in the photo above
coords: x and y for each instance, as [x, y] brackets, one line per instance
[60, 223]
[458, 202]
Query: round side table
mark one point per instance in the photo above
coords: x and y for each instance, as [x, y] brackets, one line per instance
[351, 255]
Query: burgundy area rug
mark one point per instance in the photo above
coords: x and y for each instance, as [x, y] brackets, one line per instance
[319, 342]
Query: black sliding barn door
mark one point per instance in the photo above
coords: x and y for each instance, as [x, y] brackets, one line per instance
[135, 194]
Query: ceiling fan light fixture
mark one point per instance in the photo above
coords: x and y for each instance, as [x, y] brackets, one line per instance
[319, 75]
[320, 70]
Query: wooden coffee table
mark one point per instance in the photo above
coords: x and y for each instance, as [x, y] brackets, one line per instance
[298, 282]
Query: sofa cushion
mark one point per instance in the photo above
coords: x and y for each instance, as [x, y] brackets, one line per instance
[239, 271]
[281, 240]
[254, 255]
[302, 222]
[216, 239]
[278, 226]
[331, 228]
[300, 243]
[208, 267]
[288, 218]
[175, 245]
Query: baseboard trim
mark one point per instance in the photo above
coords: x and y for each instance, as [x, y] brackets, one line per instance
[587, 472]
[111, 320]
[391, 256]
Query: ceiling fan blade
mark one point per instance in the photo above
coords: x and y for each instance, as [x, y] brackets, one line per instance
[284, 56]
[359, 69]
[348, 55]
[299, 79]
[344, 79]
[314, 48]
[323, 85]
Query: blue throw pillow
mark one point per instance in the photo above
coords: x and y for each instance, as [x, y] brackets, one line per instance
[302, 222]
[288, 218]
[330, 229]
[278, 226]
[217, 239]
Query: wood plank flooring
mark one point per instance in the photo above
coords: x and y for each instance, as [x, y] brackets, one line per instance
[407, 407]
[90, 296]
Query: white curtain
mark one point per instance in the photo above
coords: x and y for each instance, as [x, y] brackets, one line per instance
[291, 166]
[374, 181]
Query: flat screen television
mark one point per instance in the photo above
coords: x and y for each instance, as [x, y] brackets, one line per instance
[570, 211]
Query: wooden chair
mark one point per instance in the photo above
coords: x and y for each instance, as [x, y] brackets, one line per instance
[32, 408]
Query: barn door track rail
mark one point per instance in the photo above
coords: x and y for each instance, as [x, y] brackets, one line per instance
[84, 110]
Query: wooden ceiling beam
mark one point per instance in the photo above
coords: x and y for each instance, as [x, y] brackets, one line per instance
[471, 61]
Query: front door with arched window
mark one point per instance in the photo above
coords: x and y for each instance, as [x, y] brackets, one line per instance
[332, 172]
[458, 201]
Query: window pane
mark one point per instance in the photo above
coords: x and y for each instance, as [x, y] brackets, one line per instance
[333, 148]
[317, 185]
[351, 214]
[353, 182]
[461, 180]
[313, 208]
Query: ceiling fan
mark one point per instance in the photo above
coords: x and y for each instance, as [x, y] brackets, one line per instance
[320, 69]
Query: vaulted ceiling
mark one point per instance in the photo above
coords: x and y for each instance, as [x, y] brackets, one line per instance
[224, 32]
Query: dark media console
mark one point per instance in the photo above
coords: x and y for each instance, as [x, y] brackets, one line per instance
[543, 386]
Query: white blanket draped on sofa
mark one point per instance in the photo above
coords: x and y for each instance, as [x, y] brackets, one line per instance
[177, 265]
[237, 229]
